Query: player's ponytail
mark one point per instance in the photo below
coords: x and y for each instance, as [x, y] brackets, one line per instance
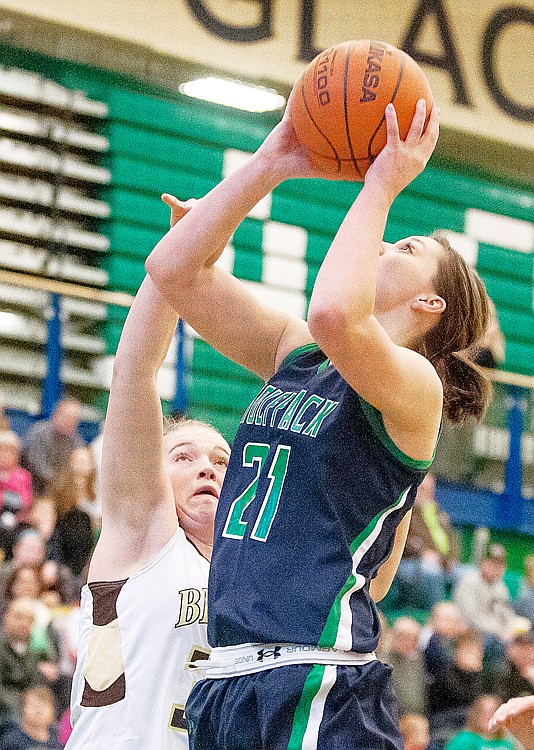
[466, 391]
[451, 343]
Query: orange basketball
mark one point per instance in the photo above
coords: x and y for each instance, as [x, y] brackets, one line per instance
[338, 108]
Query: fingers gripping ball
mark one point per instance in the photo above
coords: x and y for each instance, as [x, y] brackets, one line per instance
[338, 106]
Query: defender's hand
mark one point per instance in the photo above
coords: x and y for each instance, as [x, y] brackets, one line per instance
[178, 208]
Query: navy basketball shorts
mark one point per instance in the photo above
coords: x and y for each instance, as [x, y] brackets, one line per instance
[297, 707]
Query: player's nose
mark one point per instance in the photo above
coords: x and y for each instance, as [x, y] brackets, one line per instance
[384, 247]
[207, 471]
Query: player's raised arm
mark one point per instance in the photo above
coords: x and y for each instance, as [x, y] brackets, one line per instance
[218, 306]
[370, 349]
[377, 307]
[138, 511]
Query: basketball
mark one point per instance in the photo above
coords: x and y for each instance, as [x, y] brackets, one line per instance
[338, 107]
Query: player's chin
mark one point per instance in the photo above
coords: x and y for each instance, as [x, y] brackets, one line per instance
[204, 502]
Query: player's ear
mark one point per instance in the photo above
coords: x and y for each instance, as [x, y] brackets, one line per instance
[429, 303]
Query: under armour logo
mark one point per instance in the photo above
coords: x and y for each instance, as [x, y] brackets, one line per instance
[266, 653]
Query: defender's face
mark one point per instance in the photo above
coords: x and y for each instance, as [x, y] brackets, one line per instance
[195, 459]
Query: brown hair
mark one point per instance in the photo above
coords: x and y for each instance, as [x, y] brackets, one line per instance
[63, 491]
[451, 344]
[469, 637]
[12, 578]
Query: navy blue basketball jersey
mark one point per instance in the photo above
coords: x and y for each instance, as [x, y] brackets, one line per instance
[308, 512]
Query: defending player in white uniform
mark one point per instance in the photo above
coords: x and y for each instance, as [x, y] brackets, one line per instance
[144, 607]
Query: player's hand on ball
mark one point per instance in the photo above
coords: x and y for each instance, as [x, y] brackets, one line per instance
[286, 157]
[178, 208]
[283, 155]
[400, 161]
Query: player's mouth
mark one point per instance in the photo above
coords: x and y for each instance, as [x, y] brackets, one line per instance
[208, 489]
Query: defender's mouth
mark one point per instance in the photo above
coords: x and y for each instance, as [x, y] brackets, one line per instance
[208, 490]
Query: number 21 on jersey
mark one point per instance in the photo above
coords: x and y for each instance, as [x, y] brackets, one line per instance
[254, 457]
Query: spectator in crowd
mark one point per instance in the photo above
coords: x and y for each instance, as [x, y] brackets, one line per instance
[516, 676]
[453, 688]
[15, 490]
[424, 574]
[83, 472]
[439, 636]
[19, 665]
[477, 735]
[14, 480]
[30, 549]
[517, 716]
[408, 666]
[523, 605]
[434, 527]
[72, 539]
[484, 600]
[43, 518]
[36, 729]
[66, 626]
[49, 443]
[55, 629]
[60, 587]
[414, 729]
[58, 583]
[26, 582]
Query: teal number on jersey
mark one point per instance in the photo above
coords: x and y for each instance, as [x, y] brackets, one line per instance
[254, 456]
[277, 475]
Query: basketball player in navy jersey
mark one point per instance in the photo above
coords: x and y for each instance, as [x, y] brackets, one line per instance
[143, 612]
[327, 459]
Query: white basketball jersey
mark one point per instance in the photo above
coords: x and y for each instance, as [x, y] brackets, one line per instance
[136, 638]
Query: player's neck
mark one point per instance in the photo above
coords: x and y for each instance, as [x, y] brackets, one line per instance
[397, 325]
[403, 326]
[203, 548]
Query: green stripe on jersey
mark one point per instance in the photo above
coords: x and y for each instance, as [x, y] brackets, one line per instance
[310, 708]
[337, 632]
[376, 422]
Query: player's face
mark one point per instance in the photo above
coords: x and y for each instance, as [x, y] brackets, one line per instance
[196, 458]
[406, 270]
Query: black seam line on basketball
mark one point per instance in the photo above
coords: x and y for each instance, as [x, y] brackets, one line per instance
[395, 92]
[336, 155]
[346, 110]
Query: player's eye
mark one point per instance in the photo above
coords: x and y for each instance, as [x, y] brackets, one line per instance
[181, 457]
[407, 247]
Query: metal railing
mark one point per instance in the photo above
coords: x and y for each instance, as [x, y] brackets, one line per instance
[52, 385]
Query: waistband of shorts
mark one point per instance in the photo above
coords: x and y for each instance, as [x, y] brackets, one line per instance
[247, 658]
